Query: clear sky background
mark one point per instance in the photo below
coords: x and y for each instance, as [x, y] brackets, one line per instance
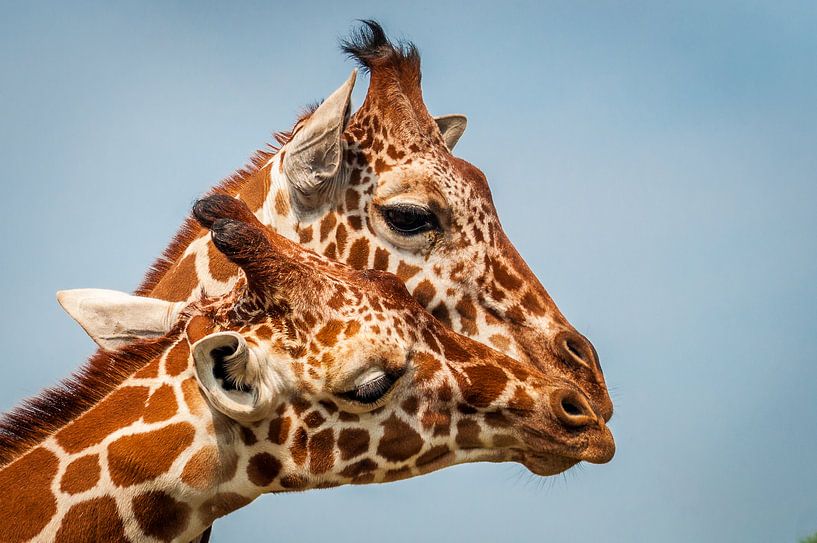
[655, 164]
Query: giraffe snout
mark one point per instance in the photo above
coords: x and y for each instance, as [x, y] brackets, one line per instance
[576, 351]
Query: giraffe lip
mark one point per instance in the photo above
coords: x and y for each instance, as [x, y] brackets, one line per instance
[548, 464]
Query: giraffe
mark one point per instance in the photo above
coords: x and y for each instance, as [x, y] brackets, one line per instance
[307, 374]
[381, 189]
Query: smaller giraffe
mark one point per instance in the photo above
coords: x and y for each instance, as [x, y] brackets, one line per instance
[308, 374]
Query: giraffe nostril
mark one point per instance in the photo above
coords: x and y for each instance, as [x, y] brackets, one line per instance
[575, 350]
[572, 409]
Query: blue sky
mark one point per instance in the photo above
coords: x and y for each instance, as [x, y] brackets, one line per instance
[654, 164]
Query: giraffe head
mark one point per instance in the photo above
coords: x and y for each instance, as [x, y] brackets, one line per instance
[332, 375]
[383, 190]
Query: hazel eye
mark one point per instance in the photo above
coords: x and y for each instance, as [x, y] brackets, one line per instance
[371, 390]
[409, 220]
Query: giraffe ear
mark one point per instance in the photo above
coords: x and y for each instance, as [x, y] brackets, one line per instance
[229, 374]
[314, 156]
[452, 128]
[113, 318]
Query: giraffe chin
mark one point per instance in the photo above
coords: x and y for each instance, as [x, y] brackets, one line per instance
[545, 466]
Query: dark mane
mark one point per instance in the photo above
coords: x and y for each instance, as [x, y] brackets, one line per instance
[31, 422]
[373, 50]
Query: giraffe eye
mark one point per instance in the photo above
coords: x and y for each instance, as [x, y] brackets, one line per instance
[409, 219]
[372, 389]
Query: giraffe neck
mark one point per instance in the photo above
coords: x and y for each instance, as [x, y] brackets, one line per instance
[147, 459]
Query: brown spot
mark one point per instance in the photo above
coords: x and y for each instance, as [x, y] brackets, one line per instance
[82, 474]
[314, 419]
[340, 238]
[328, 334]
[248, 436]
[179, 282]
[220, 268]
[201, 471]
[400, 441]
[255, 190]
[483, 385]
[438, 421]
[397, 474]
[521, 400]
[355, 222]
[193, 397]
[531, 303]
[406, 271]
[329, 405]
[433, 454]
[220, 505]
[293, 481]
[150, 371]
[352, 199]
[161, 405]
[440, 312]
[278, 430]
[263, 468]
[504, 277]
[142, 457]
[28, 503]
[96, 519]
[198, 327]
[410, 405]
[298, 448]
[468, 313]
[305, 235]
[468, 434]
[381, 259]
[359, 468]
[424, 292]
[160, 516]
[497, 420]
[121, 408]
[327, 223]
[281, 203]
[348, 417]
[352, 442]
[359, 254]
[322, 451]
[427, 367]
[330, 251]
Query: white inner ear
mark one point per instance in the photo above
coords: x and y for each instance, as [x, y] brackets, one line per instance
[314, 157]
[451, 127]
[114, 318]
[247, 404]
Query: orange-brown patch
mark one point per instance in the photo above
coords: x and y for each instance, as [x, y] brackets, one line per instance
[198, 327]
[121, 408]
[281, 203]
[193, 397]
[29, 503]
[424, 292]
[255, 189]
[142, 457]
[305, 235]
[96, 519]
[359, 254]
[468, 434]
[406, 271]
[220, 268]
[298, 448]
[82, 474]
[149, 371]
[279, 430]
[328, 334]
[179, 282]
[161, 405]
[177, 359]
[201, 471]
[521, 400]
[381, 259]
[327, 224]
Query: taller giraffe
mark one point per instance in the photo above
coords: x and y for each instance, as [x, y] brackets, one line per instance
[308, 375]
[380, 189]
